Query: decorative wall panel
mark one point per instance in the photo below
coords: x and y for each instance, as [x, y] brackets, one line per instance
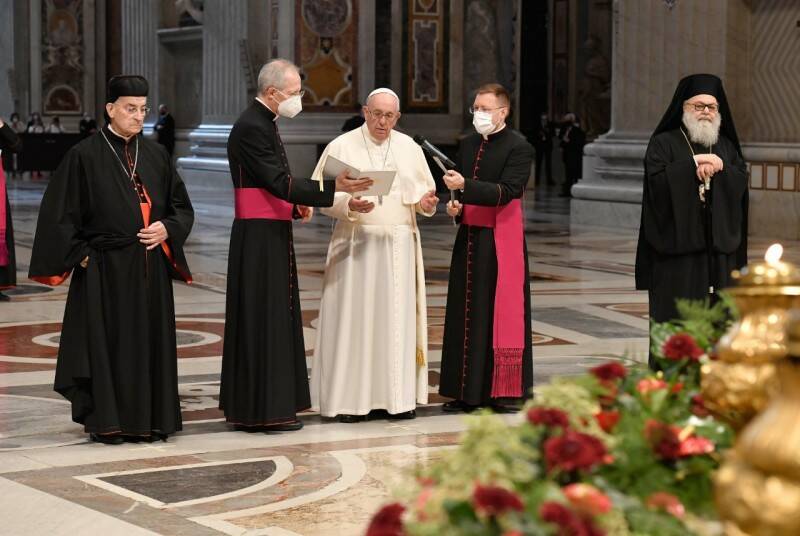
[62, 43]
[425, 39]
[327, 53]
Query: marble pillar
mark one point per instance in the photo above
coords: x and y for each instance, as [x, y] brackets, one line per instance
[140, 21]
[653, 48]
[6, 58]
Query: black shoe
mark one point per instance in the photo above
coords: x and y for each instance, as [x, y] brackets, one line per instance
[454, 406]
[412, 414]
[4, 297]
[498, 408]
[248, 429]
[284, 427]
[347, 418]
[107, 439]
[155, 436]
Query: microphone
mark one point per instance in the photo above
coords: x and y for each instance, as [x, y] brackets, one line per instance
[434, 151]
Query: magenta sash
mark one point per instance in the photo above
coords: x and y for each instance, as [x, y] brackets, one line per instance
[509, 300]
[257, 203]
[3, 216]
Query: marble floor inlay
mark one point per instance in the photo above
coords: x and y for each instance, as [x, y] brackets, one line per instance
[325, 479]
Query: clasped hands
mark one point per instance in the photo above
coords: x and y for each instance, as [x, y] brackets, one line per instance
[707, 166]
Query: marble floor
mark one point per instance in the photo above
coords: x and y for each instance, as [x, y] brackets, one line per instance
[325, 479]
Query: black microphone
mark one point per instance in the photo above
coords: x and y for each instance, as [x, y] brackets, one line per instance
[434, 151]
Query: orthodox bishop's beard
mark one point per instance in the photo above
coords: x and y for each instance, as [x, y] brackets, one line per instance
[705, 133]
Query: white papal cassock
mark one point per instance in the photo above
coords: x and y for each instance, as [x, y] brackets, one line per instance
[371, 350]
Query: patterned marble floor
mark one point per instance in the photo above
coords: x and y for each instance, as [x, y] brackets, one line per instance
[324, 479]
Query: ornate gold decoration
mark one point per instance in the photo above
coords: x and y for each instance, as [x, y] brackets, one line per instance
[757, 490]
[741, 382]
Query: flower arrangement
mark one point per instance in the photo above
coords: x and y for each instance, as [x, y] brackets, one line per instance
[621, 450]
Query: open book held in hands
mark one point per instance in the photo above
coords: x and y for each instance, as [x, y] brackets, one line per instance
[382, 180]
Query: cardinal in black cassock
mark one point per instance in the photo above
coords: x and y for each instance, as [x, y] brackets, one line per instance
[693, 230]
[486, 351]
[9, 141]
[116, 215]
[264, 373]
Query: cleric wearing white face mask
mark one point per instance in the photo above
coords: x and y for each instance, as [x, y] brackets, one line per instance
[486, 352]
[264, 380]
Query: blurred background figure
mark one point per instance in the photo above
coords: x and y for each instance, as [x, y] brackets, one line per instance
[573, 138]
[543, 143]
[355, 121]
[87, 125]
[55, 126]
[35, 125]
[165, 129]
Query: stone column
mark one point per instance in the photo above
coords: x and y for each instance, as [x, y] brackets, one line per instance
[140, 20]
[654, 46]
[6, 58]
[224, 93]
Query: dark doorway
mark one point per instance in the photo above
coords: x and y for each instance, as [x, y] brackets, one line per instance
[533, 69]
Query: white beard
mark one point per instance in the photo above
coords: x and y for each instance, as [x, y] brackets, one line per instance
[705, 133]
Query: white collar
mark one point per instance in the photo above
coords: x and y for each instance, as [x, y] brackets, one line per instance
[117, 134]
[267, 107]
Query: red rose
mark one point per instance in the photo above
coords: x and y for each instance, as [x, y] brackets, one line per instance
[587, 499]
[609, 371]
[387, 521]
[666, 502]
[607, 420]
[549, 417]
[676, 388]
[574, 451]
[494, 500]
[695, 446]
[681, 346]
[698, 406]
[610, 397]
[568, 522]
[663, 438]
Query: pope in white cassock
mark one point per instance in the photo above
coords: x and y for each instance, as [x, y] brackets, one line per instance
[371, 350]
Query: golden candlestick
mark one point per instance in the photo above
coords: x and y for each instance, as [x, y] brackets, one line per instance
[739, 384]
[757, 490]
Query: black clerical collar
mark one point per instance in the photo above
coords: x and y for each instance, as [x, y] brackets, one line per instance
[498, 135]
[263, 105]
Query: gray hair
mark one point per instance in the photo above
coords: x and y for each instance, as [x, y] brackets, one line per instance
[273, 74]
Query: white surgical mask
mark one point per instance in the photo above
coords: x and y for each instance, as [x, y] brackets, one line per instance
[291, 106]
[482, 121]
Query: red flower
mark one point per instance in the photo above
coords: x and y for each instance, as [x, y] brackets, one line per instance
[387, 521]
[698, 406]
[663, 438]
[549, 417]
[647, 385]
[607, 420]
[494, 500]
[666, 502]
[676, 388]
[610, 397]
[568, 522]
[681, 346]
[695, 446]
[587, 499]
[609, 371]
[574, 451]
[668, 443]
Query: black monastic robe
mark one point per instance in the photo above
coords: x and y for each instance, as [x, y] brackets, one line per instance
[683, 250]
[117, 358]
[9, 141]
[264, 372]
[496, 171]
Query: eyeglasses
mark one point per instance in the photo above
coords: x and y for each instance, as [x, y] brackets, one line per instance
[133, 110]
[389, 116]
[699, 107]
[296, 94]
[473, 109]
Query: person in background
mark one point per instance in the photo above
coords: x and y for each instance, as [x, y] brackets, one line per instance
[165, 129]
[9, 141]
[55, 126]
[87, 125]
[35, 125]
[573, 138]
[355, 121]
[543, 143]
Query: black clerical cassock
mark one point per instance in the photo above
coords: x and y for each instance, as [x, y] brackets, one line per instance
[117, 360]
[688, 243]
[481, 299]
[264, 373]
